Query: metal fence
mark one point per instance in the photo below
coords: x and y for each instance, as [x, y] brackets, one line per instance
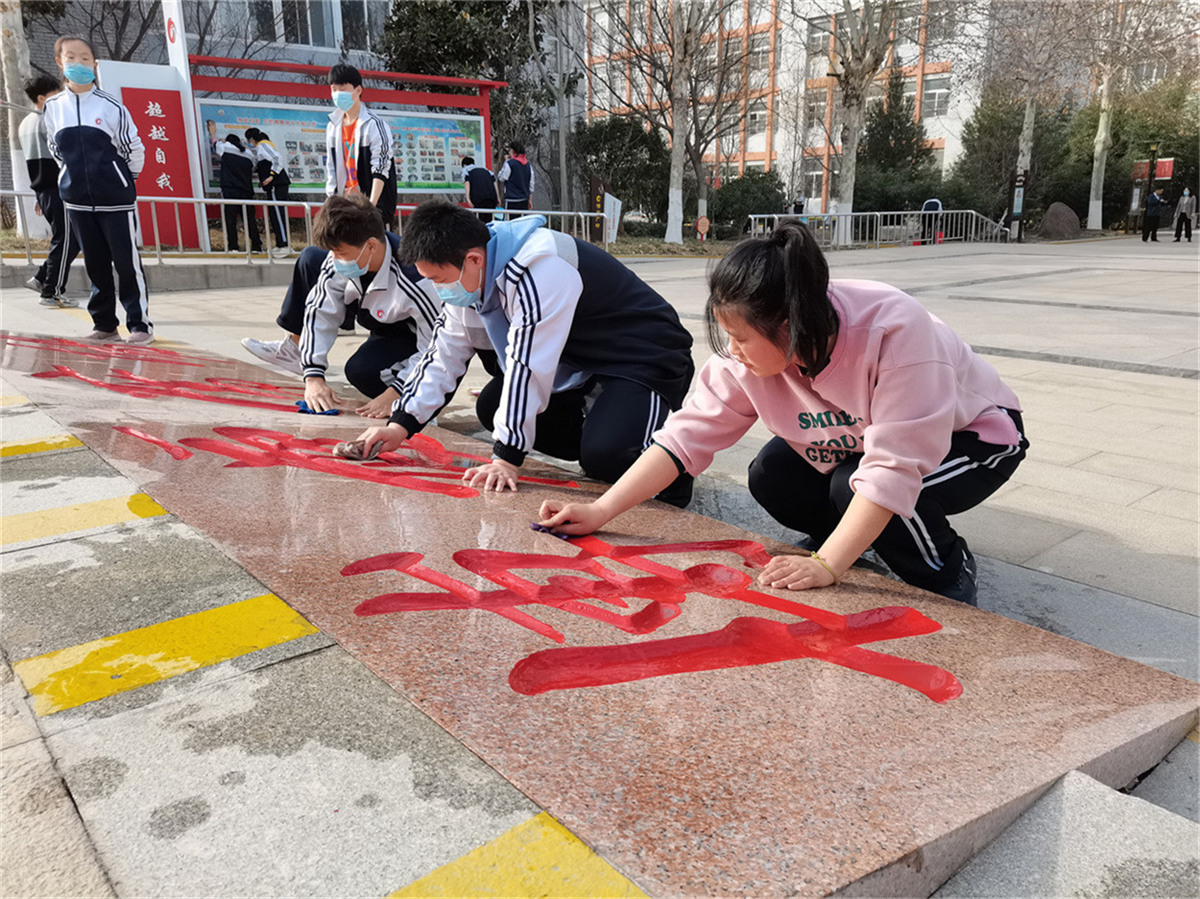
[890, 229]
[169, 214]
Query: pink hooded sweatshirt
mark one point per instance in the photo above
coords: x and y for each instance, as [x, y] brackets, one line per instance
[898, 384]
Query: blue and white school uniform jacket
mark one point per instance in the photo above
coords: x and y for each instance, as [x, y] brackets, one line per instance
[375, 160]
[396, 296]
[98, 149]
[558, 311]
[268, 162]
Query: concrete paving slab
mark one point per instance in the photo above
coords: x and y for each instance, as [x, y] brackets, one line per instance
[1174, 784]
[17, 724]
[307, 778]
[1083, 839]
[46, 850]
[70, 592]
[38, 482]
[26, 424]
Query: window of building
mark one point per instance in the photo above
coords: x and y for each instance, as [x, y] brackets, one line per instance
[910, 90]
[760, 12]
[935, 96]
[814, 118]
[733, 58]
[618, 82]
[733, 15]
[756, 117]
[812, 175]
[262, 20]
[818, 38]
[754, 167]
[1149, 72]
[637, 21]
[941, 24]
[760, 60]
[876, 92]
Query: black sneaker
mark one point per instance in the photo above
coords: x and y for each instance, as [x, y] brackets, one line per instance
[966, 585]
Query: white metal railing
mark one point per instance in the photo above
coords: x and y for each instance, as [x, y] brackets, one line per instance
[883, 229]
[176, 213]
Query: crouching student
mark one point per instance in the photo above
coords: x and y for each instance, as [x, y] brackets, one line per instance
[885, 421]
[591, 358]
[354, 262]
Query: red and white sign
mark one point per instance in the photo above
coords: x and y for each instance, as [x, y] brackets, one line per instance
[158, 115]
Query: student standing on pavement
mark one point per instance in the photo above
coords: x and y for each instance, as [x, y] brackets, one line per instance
[1153, 217]
[480, 185]
[273, 179]
[237, 183]
[359, 145]
[1185, 211]
[592, 358]
[94, 140]
[50, 280]
[885, 422]
[355, 264]
[517, 177]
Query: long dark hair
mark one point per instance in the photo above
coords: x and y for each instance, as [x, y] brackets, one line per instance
[782, 277]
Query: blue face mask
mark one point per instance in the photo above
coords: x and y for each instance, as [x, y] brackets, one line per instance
[457, 295]
[350, 269]
[79, 74]
[343, 100]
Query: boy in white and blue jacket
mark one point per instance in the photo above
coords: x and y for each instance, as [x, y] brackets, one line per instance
[592, 357]
[93, 139]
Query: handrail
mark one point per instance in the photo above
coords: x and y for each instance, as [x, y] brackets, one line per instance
[882, 229]
[570, 222]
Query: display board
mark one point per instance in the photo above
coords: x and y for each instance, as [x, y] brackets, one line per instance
[428, 147]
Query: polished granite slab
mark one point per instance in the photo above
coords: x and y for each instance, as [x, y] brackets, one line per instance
[704, 736]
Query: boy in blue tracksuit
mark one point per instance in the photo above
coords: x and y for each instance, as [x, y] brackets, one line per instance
[593, 358]
[96, 144]
[50, 280]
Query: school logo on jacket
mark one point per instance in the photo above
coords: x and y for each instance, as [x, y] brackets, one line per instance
[99, 122]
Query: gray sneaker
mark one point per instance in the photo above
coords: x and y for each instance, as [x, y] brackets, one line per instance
[280, 353]
[59, 301]
[52, 302]
[103, 337]
[140, 338]
[34, 284]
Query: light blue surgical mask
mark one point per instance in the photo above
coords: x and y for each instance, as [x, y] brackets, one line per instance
[350, 269]
[457, 295]
[79, 74]
[343, 100]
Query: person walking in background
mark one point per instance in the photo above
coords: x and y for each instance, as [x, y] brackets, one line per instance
[237, 183]
[273, 179]
[359, 145]
[50, 280]
[1185, 211]
[480, 185]
[931, 220]
[93, 138]
[1153, 216]
[517, 177]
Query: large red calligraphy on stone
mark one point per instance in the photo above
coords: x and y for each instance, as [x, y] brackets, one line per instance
[424, 464]
[102, 350]
[820, 634]
[210, 390]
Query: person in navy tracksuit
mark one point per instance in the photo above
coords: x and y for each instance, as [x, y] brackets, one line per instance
[517, 177]
[274, 180]
[93, 139]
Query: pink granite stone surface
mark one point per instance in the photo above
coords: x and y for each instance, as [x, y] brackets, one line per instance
[776, 777]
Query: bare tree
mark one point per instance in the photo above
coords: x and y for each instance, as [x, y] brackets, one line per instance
[14, 65]
[556, 21]
[1122, 33]
[669, 66]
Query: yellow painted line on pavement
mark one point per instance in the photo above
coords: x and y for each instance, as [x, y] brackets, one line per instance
[79, 674]
[67, 519]
[1194, 735]
[537, 858]
[57, 442]
[13, 399]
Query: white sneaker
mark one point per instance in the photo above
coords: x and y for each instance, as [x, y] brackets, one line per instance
[281, 252]
[140, 338]
[280, 353]
[34, 284]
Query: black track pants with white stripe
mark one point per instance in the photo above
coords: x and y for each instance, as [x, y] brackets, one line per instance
[923, 550]
[109, 241]
[605, 424]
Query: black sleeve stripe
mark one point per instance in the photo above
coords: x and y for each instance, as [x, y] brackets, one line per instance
[420, 300]
[312, 303]
[418, 372]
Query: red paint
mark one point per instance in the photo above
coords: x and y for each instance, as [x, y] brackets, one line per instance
[175, 452]
[258, 448]
[206, 391]
[102, 350]
[744, 641]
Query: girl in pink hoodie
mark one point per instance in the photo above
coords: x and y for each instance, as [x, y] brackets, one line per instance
[885, 421]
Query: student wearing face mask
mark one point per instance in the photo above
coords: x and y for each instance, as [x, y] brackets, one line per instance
[354, 264]
[93, 139]
[592, 358]
[359, 146]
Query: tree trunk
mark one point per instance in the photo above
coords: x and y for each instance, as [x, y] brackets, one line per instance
[680, 63]
[1025, 144]
[852, 116]
[14, 64]
[1095, 217]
